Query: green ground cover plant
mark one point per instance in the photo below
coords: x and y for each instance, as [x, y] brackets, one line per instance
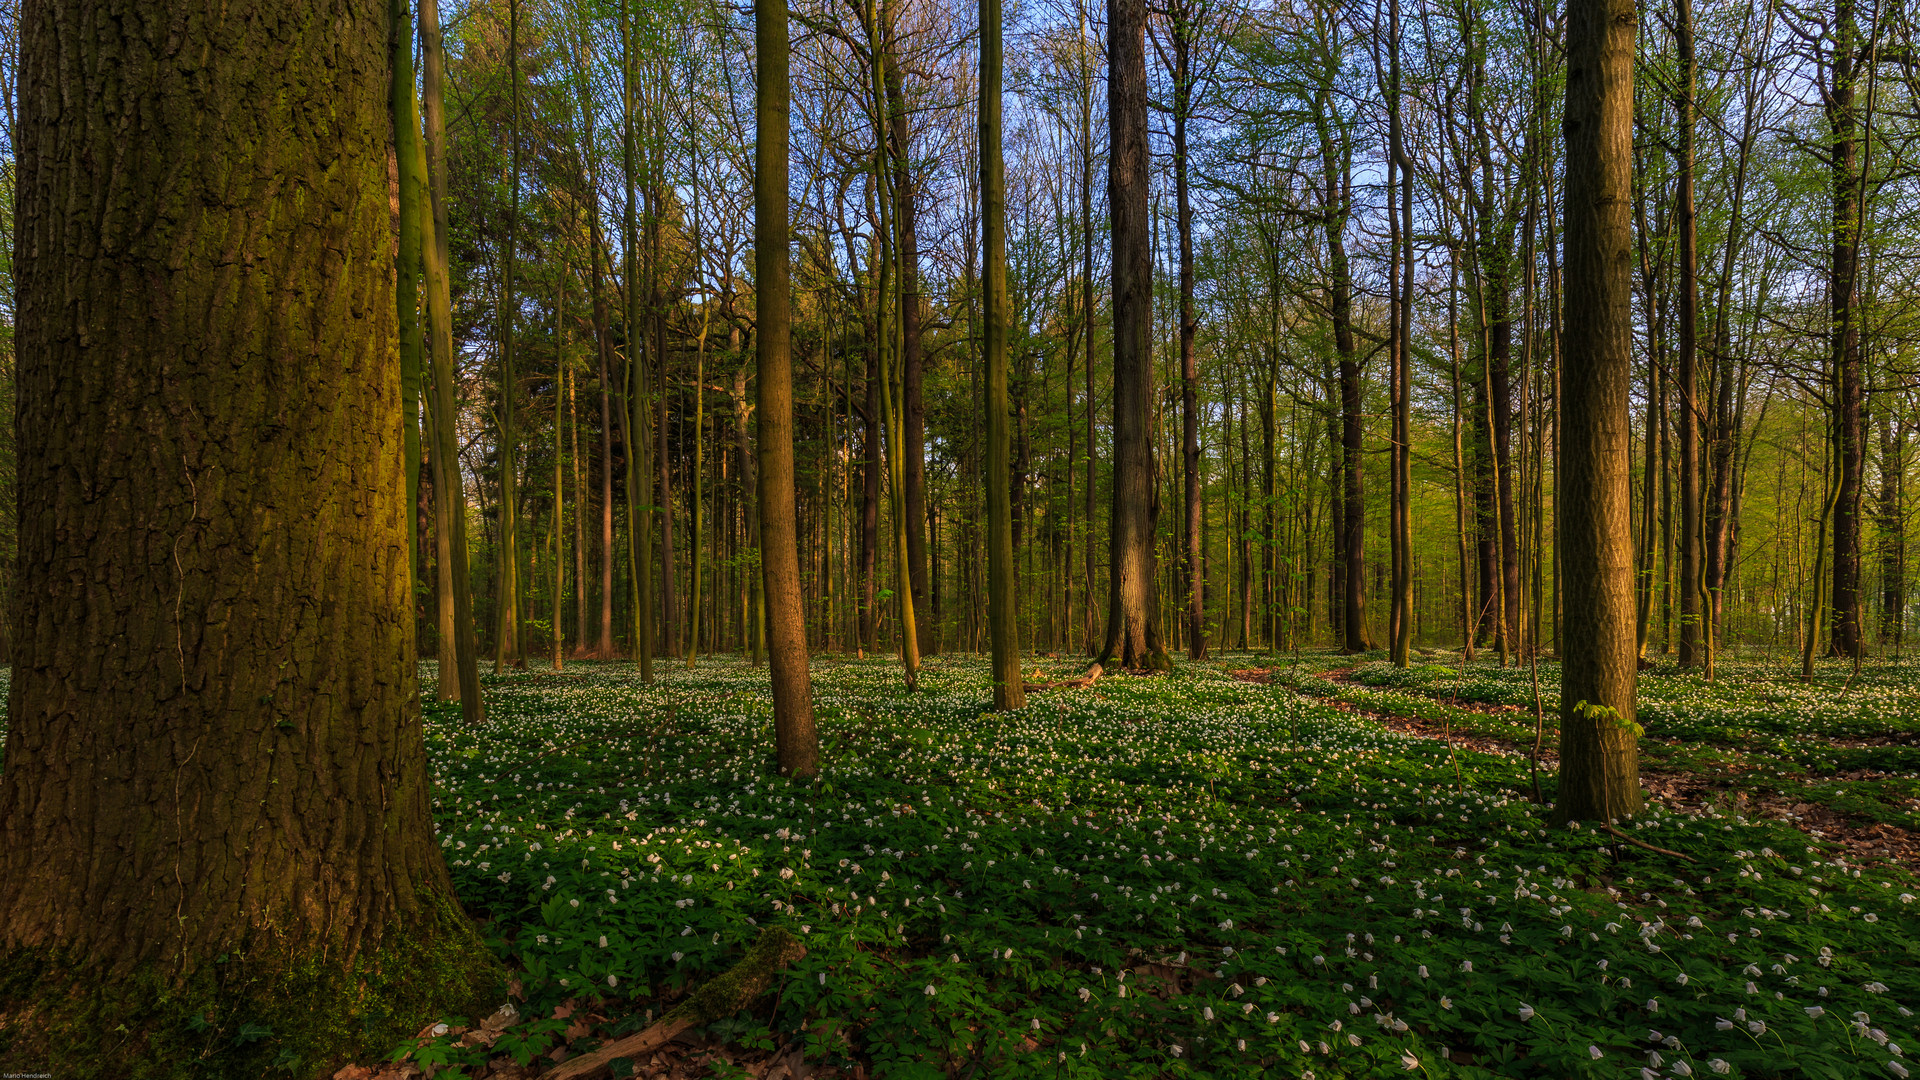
[1849, 741]
[1184, 875]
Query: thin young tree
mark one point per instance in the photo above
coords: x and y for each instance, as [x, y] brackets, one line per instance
[1600, 758]
[796, 742]
[633, 418]
[216, 773]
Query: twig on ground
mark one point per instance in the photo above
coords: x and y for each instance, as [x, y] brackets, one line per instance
[719, 998]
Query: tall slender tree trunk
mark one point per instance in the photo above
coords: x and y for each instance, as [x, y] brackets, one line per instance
[1009, 692]
[1087, 302]
[215, 770]
[1133, 635]
[410, 182]
[669, 591]
[1600, 759]
[633, 418]
[870, 498]
[1193, 561]
[556, 541]
[796, 743]
[1401, 168]
[1893, 529]
[449, 488]
[1848, 394]
[912, 351]
[750, 505]
[1695, 646]
[506, 578]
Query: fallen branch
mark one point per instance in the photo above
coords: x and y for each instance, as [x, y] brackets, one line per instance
[721, 997]
[1618, 835]
[1093, 672]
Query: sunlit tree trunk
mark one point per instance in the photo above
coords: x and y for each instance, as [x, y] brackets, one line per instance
[1600, 760]
[215, 770]
[796, 742]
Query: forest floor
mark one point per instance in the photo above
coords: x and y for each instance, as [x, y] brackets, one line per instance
[1257, 866]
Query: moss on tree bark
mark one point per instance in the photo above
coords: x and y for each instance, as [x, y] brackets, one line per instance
[214, 811]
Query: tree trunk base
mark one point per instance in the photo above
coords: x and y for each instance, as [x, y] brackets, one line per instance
[242, 1016]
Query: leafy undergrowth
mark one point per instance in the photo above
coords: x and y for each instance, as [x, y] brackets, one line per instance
[1183, 875]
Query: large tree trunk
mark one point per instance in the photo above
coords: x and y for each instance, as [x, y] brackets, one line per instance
[1600, 760]
[797, 745]
[1003, 595]
[215, 771]
[1132, 632]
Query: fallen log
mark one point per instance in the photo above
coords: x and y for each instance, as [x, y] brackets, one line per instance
[721, 997]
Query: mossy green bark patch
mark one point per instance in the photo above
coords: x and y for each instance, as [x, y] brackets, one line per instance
[270, 1011]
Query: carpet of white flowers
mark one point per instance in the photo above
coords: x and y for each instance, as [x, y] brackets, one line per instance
[1156, 876]
[1849, 741]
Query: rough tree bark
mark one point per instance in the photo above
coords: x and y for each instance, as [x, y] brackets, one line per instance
[1600, 759]
[797, 745]
[1133, 635]
[214, 750]
[1848, 392]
